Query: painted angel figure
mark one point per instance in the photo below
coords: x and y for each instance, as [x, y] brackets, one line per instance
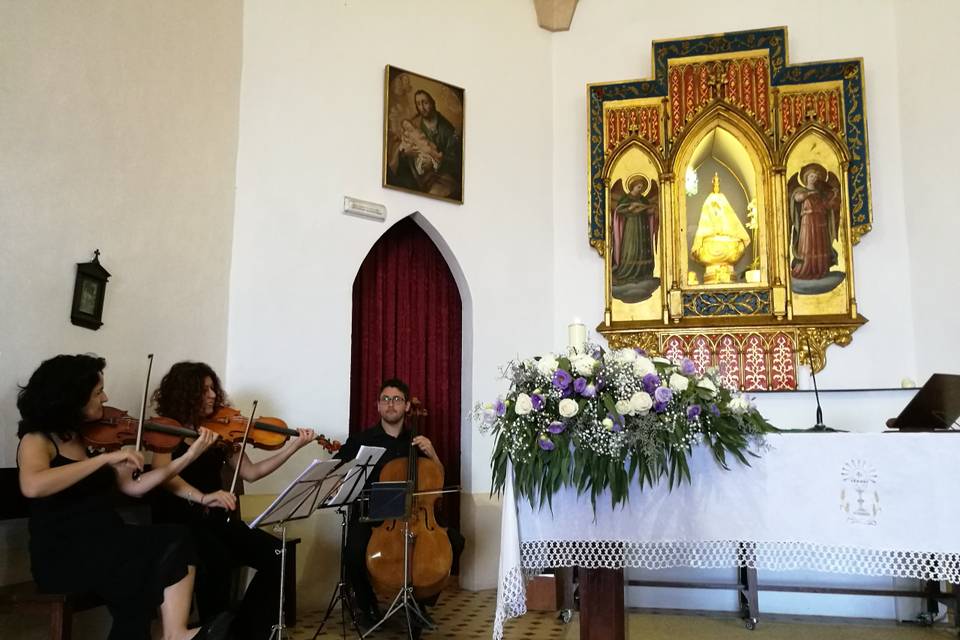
[636, 224]
[815, 222]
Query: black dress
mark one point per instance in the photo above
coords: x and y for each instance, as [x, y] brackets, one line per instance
[78, 543]
[223, 547]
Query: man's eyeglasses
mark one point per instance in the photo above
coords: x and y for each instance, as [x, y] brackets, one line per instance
[392, 399]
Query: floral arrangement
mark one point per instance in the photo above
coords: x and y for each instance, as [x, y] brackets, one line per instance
[599, 419]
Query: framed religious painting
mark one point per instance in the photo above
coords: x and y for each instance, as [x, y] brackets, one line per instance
[422, 135]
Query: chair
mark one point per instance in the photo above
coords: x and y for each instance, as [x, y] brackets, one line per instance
[24, 596]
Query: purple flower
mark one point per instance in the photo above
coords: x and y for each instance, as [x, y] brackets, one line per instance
[589, 391]
[617, 422]
[650, 382]
[545, 443]
[556, 427]
[693, 412]
[537, 401]
[500, 407]
[714, 410]
[640, 352]
[687, 367]
[561, 379]
[663, 394]
[659, 407]
[579, 385]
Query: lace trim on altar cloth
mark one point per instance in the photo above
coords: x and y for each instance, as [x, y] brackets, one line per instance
[718, 554]
[511, 598]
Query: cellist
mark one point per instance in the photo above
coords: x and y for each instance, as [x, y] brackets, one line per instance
[393, 404]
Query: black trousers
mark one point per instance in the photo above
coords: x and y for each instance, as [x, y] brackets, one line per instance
[355, 562]
[225, 547]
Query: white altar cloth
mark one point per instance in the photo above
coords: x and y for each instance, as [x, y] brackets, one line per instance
[869, 504]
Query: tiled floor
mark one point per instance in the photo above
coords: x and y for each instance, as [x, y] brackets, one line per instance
[458, 614]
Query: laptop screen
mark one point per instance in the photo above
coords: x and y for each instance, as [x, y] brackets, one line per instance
[936, 405]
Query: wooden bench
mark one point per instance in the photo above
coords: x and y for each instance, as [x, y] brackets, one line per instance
[23, 596]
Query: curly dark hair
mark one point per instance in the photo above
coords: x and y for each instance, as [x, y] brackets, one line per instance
[180, 393]
[52, 402]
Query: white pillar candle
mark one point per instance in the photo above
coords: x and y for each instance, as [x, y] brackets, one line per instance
[577, 335]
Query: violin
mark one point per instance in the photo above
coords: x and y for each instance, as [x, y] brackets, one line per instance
[266, 433]
[117, 428]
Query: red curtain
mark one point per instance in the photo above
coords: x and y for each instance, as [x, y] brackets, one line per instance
[407, 325]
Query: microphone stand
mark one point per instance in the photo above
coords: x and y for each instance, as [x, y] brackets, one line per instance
[819, 427]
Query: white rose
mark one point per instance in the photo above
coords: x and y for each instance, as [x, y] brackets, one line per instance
[739, 404]
[568, 408]
[523, 405]
[707, 383]
[642, 366]
[627, 355]
[641, 402]
[679, 382]
[583, 364]
[547, 364]
[607, 424]
[624, 407]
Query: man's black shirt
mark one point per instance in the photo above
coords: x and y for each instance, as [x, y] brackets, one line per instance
[375, 436]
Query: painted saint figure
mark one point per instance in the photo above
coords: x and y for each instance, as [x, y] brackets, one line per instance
[425, 154]
[636, 223]
[815, 222]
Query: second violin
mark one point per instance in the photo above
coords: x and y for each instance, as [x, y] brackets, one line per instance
[266, 433]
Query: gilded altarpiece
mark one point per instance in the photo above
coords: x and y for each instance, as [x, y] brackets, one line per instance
[726, 196]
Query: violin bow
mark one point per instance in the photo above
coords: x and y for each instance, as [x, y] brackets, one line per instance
[143, 411]
[243, 444]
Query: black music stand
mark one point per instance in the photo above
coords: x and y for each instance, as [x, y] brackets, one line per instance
[393, 500]
[296, 502]
[352, 478]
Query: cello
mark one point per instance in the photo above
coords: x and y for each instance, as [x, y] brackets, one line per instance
[428, 553]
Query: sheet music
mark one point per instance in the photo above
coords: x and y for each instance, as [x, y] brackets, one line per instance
[299, 498]
[355, 473]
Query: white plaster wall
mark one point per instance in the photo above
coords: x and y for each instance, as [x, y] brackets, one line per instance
[311, 130]
[118, 130]
[930, 140]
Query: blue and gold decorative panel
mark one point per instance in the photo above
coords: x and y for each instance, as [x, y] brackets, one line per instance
[722, 303]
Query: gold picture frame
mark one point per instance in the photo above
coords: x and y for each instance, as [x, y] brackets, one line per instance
[423, 122]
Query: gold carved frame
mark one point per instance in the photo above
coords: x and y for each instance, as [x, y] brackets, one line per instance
[770, 284]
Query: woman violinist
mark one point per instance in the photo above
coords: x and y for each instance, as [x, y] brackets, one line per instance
[77, 540]
[190, 393]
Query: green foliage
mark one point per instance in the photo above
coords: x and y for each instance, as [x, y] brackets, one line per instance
[598, 423]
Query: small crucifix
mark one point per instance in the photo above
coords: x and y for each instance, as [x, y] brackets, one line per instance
[810, 113]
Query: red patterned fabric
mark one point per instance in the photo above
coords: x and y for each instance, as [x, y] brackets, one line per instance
[407, 324]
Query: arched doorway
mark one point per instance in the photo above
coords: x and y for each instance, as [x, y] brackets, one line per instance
[407, 316]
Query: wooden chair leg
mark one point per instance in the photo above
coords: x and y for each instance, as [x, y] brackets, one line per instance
[61, 618]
